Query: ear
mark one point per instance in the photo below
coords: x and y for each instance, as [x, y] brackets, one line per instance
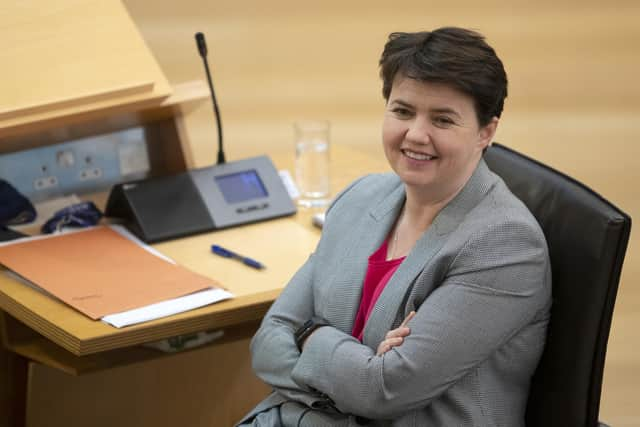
[486, 134]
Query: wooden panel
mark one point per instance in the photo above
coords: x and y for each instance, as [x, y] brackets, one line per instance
[68, 58]
[24, 342]
[212, 386]
[184, 99]
[76, 100]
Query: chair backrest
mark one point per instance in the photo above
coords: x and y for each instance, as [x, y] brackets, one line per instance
[587, 238]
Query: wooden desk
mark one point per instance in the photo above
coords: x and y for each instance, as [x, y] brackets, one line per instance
[41, 329]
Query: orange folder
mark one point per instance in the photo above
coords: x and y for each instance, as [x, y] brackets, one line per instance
[100, 272]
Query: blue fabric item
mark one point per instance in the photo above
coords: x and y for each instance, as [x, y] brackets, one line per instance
[14, 207]
[83, 214]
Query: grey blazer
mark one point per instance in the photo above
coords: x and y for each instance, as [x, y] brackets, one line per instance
[479, 279]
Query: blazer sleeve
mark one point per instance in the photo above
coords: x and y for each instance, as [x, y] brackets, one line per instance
[273, 349]
[498, 282]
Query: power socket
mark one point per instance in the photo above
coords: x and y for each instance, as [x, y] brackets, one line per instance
[90, 174]
[45, 182]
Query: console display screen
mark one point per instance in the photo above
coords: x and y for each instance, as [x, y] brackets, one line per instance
[241, 186]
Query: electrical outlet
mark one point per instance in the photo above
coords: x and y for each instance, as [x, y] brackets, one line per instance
[90, 174]
[45, 182]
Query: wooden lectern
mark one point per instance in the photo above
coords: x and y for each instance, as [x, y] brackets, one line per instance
[73, 69]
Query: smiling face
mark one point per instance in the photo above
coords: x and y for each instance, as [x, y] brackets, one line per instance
[432, 138]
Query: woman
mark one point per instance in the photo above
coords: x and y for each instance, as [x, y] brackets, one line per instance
[427, 299]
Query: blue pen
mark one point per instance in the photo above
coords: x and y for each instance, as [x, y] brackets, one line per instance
[219, 250]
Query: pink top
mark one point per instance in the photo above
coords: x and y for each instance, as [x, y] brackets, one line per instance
[379, 271]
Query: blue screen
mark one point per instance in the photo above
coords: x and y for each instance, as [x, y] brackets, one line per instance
[241, 186]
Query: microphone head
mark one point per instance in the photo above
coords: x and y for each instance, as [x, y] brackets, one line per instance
[202, 45]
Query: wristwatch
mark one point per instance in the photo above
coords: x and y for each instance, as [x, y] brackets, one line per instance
[307, 328]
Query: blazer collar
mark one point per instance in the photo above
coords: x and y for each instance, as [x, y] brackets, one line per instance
[452, 214]
[471, 194]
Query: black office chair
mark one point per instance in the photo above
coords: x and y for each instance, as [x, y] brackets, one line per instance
[587, 238]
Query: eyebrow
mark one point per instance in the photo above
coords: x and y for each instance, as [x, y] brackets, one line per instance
[440, 110]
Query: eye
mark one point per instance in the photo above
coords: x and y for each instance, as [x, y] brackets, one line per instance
[402, 112]
[443, 121]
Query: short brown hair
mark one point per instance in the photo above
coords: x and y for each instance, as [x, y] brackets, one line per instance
[456, 57]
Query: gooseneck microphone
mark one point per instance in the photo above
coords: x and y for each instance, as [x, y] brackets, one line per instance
[202, 48]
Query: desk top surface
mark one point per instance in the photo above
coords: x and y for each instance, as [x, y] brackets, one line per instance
[282, 245]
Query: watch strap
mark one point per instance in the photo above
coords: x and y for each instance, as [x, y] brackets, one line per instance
[307, 329]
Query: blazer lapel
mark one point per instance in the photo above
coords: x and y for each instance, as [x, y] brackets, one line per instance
[386, 309]
[350, 267]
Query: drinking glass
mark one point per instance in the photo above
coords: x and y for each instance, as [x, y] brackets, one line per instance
[312, 162]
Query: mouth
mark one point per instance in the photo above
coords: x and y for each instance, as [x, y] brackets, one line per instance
[417, 156]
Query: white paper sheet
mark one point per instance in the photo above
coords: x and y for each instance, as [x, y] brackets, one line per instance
[167, 308]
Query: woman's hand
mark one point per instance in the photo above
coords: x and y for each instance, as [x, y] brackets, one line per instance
[395, 337]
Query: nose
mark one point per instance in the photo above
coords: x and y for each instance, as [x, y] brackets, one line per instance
[419, 131]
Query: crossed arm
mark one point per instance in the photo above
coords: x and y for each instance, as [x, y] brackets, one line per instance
[458, 326]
